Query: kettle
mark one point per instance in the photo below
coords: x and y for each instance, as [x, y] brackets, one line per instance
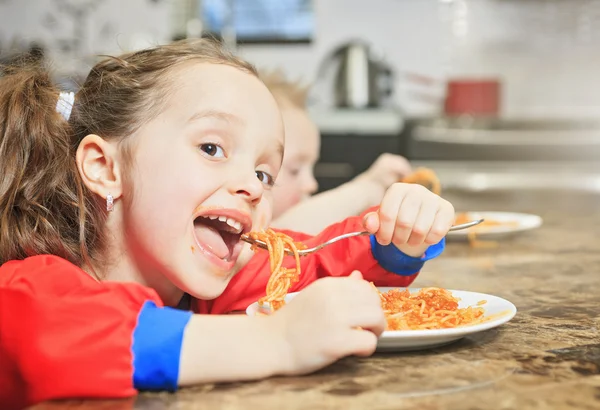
[360, 81]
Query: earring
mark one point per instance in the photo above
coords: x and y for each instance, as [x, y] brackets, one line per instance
[109, 203]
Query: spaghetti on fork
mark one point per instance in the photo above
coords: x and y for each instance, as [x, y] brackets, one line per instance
[281, 279]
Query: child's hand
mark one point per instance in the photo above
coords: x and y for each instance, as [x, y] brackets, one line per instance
[411, 217]
[386, 170]
[330, 319]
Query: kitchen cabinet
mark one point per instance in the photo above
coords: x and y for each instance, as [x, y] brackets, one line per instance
[352, 139]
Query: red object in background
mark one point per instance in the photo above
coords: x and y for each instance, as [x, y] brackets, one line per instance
[475, 97]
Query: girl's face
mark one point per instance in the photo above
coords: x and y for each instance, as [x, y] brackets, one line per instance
[199, 174]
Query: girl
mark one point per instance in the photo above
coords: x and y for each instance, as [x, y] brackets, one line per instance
[118, 200]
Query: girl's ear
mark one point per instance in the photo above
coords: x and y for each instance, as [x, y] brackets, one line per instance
[99, 166]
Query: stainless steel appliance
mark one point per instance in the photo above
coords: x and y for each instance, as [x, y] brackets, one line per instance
[360, 79]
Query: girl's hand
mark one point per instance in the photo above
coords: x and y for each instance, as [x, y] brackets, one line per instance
[411, 217]
[330, 319]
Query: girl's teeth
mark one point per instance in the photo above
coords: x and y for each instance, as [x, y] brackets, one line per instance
[234, 224]
[237, 226]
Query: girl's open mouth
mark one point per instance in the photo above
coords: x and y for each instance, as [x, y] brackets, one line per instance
[217, 233]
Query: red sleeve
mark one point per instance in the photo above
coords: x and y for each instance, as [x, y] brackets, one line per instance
[63, 334]
[338, 259]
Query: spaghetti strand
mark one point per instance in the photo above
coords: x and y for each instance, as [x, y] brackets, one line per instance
[281, 279]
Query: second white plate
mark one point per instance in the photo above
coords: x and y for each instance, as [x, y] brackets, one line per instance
[511, 223]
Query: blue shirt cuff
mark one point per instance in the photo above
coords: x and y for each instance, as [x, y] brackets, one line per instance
[156, 347]
[393, 260]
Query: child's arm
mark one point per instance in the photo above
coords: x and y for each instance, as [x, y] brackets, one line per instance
[65, 335]
[350, 199]
[319, 211]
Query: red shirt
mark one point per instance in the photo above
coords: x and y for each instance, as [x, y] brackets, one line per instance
[63, 334]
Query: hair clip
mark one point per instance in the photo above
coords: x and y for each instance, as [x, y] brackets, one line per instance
[64, 105]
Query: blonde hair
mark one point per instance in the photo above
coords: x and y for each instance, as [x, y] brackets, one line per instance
[44, 206]
[285, 90]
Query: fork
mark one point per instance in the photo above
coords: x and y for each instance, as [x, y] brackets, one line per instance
[304, 252]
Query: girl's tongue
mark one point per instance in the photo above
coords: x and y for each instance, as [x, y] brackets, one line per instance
[212, 240]
[216, 237]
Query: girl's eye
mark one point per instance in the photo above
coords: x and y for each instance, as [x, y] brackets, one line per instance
[213, 150]
[265, 178]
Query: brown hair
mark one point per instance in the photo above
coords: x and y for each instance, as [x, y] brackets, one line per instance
[285, 90]
[44, 206]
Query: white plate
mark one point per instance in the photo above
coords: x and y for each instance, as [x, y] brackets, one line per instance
[515, 223]
[404, 340]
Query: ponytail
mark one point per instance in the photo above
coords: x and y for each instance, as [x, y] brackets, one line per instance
[42, 205]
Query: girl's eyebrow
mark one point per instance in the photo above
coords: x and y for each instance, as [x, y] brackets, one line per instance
[220, 115]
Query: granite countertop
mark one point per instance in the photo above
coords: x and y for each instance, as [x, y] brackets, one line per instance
[548, 356]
